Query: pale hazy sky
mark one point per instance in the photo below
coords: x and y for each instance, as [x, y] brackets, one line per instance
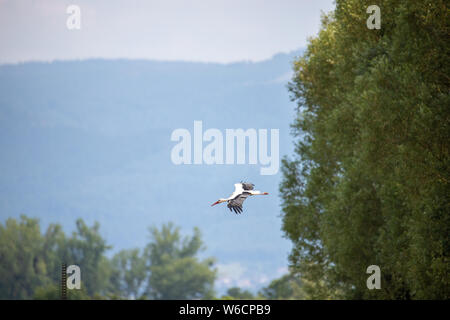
[191, 30]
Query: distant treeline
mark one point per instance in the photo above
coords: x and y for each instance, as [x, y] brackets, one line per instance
[167, 268]
[369, 181]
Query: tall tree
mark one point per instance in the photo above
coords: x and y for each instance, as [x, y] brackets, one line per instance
[238, 293]
[369, 180]
[86, 248]
[129, 273]
[175, 270]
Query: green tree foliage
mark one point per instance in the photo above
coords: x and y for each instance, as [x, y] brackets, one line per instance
[22, 267]
[288, 287]
[238, 293]
[31, 262]
[175, 270]
[53, 292]
[86, 249]
[369, 181]
[129, 273]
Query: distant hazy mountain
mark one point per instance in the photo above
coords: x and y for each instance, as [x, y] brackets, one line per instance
[91, 139]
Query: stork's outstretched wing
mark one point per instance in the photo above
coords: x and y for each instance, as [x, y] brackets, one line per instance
[236, 203]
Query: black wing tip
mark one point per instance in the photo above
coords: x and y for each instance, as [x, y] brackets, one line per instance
[236, 209]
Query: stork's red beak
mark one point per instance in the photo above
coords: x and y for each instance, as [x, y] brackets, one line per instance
[215, 203]
[265, 193]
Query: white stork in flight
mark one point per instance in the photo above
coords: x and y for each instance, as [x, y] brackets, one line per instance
[241, 192]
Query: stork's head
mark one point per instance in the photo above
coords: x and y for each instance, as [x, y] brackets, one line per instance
[219, 201]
